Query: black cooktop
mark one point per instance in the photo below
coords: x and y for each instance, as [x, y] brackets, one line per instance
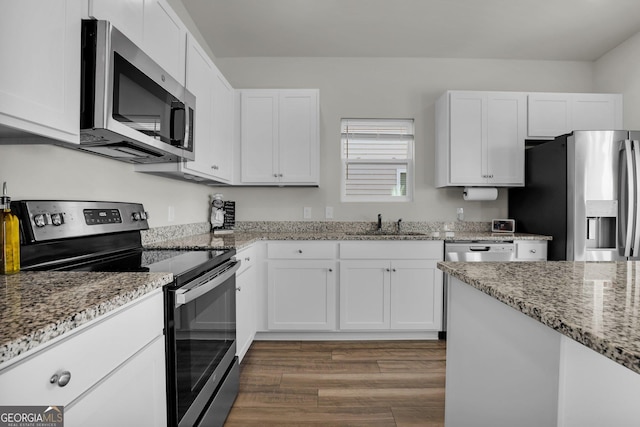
[183, 264]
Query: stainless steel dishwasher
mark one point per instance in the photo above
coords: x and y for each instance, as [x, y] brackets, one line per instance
[473, 251]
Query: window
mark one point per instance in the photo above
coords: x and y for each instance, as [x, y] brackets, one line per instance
[377, 160]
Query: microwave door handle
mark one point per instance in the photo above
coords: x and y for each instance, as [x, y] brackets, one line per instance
[636, 220]
[189, 293]
[177, 140]
[187, 121]
[629, 198]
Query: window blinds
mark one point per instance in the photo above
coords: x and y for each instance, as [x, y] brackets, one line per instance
[377, 155]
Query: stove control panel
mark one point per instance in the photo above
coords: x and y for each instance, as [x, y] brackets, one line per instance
[43, 220]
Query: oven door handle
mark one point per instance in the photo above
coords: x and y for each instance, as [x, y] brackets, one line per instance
[206, 283]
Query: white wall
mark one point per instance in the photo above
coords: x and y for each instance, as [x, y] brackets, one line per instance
[51, 172]
[618, 71]
[406, 88]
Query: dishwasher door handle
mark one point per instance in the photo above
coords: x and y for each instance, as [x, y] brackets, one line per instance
[479, 248]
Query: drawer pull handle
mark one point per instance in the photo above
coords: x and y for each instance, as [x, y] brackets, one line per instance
[299, 251]
[533, 251]
[62, 379]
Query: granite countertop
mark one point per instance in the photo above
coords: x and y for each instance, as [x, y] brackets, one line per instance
[240, 239]
[36, 307]
[594, 303]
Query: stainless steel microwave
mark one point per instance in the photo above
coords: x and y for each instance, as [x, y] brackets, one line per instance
[131, 109]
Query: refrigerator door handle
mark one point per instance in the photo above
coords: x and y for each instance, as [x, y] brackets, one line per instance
[629, 197]
[636, 220]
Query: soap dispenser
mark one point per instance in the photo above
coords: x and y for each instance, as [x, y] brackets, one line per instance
[9, 236]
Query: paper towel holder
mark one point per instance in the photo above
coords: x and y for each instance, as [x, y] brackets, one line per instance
[480, 193]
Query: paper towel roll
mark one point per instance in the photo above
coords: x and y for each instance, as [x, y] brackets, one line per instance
[480, 193]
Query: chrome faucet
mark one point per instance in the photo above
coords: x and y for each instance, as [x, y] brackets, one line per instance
[379, 222]
[398, 225]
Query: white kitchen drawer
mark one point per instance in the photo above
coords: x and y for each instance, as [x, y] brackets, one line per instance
[88, 354]
[301, 250]
[531, 250]
[392, 250]
[247, 258]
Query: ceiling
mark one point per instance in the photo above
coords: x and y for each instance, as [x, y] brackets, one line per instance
[581, 30]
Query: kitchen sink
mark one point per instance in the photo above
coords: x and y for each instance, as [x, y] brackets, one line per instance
[384, 233]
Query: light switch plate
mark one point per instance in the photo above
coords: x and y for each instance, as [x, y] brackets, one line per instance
[306, 212]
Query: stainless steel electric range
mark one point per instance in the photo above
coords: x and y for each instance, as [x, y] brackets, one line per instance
[200, 325]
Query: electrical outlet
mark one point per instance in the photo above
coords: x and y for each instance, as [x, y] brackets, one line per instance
[306, 212]
[328, 212]
[171, 214]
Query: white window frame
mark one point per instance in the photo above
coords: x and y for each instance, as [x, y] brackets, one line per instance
[408, 163]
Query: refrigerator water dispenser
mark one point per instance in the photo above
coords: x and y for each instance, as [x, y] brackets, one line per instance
[601, 224]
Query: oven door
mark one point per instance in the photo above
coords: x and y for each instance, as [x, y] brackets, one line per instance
[201, 347]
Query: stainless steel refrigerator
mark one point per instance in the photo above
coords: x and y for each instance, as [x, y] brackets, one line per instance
[583, 189]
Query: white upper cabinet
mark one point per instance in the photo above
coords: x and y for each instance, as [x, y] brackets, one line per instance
[223, 137]
[214, 117]
[199, 81]
[214, 124]
[279, 137]
[480, 139]
[40, 73]
[126, 15]
[553, 114]
[152, 25]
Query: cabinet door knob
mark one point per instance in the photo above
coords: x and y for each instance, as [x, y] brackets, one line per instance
[533, 251]
[387, 269]
[62, 379]
[275, 175]
[330, 270]
[239, 288]
[280, 175]
[393, 269]
[299, 251]
[247, 259]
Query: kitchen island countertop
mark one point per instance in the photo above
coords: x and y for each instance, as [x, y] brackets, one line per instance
[37, 307]
[594, 303]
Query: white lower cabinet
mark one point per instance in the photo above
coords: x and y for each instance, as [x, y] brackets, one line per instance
[530, 250]
[246, 296]
[302, 295]
[382, 286]
[401, 290]
[136, 390]
[390, 295]
[301, 286]
[117, 360]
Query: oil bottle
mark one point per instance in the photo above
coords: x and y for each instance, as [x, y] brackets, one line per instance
[9, 236]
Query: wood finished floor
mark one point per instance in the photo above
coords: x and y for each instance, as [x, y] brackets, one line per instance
[344, 383]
